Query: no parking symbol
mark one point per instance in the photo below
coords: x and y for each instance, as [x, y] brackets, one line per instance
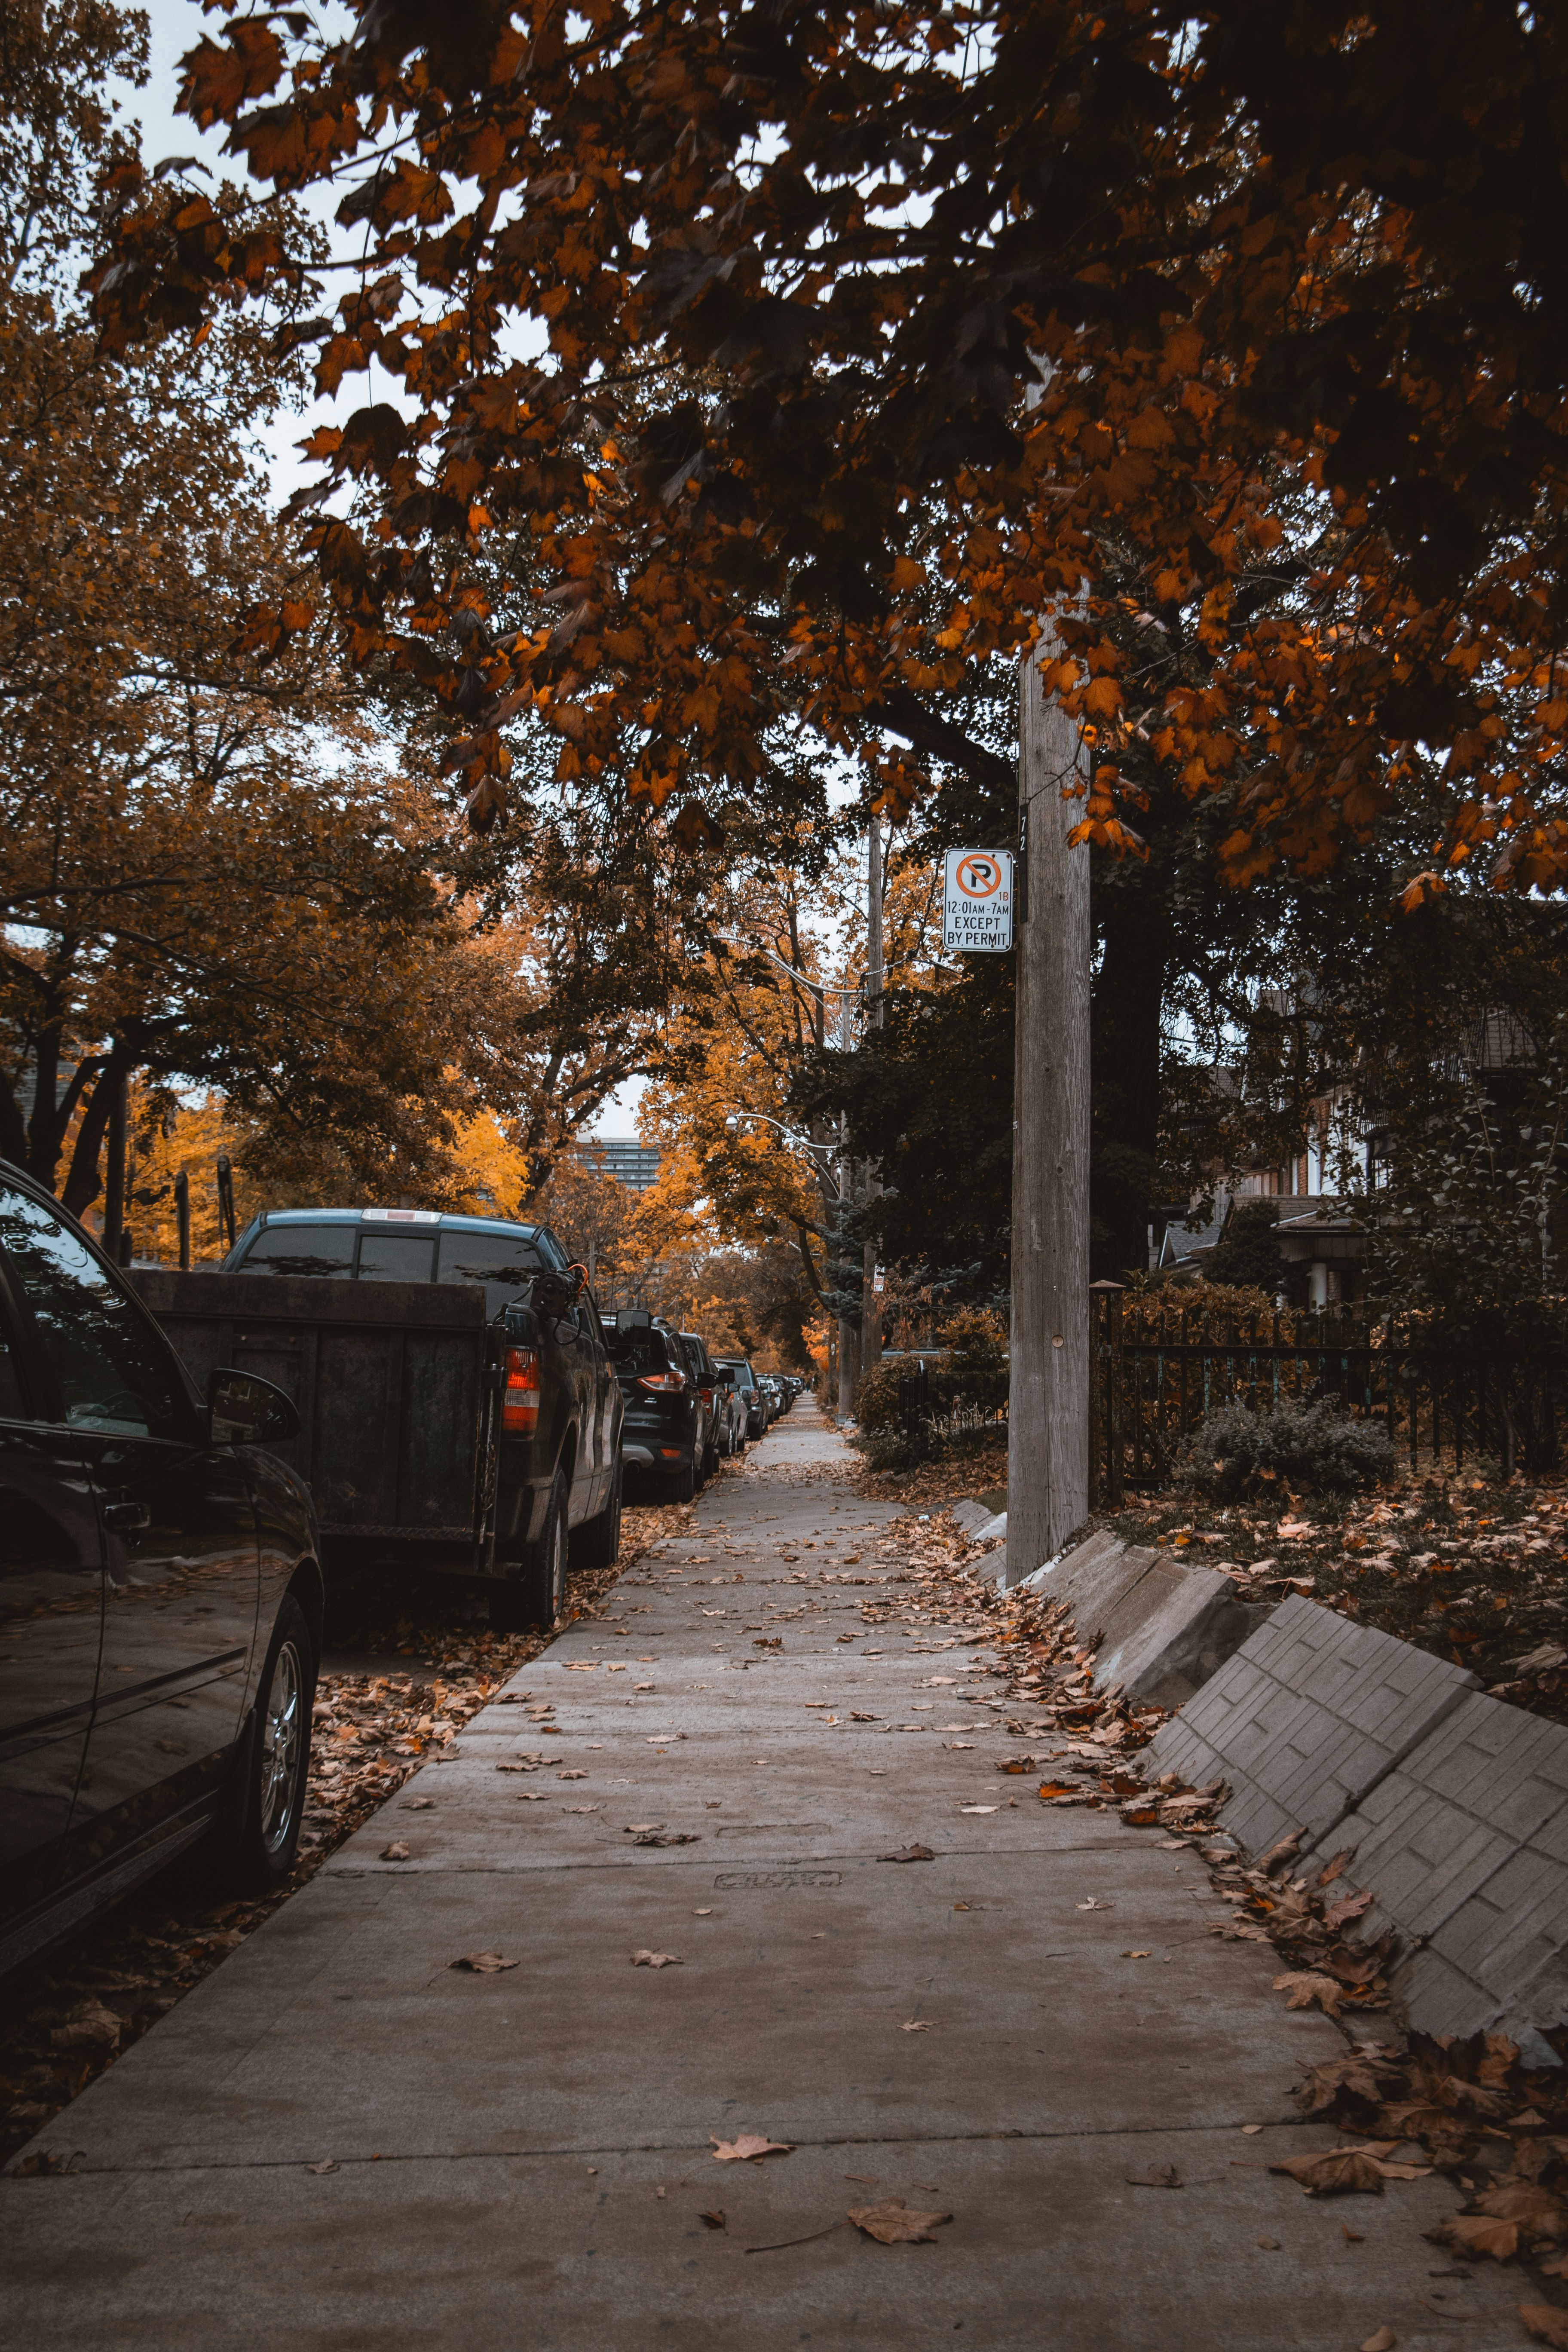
[977, 901]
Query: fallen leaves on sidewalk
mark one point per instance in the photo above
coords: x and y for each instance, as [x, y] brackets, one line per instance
[715, 2219]
[1159, 2176]
[908, 1854]
[482, 1964]
[656, 1960]
[1339, 2172]
[748, 2147]
[1384, 2341]
[1304, 1989]
[894, 2223]
[395, 1852]
[1545, 2323]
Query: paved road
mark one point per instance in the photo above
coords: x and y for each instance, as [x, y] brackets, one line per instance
[522, 2159]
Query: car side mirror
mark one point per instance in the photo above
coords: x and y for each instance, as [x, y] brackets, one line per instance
[244, 1409]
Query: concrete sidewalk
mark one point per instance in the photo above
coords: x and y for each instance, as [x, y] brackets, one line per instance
[523, 2158]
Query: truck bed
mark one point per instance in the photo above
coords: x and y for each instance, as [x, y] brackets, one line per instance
[396, 1386]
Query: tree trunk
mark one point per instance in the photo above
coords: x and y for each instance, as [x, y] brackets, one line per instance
[82, 1184]
[1048, 1442]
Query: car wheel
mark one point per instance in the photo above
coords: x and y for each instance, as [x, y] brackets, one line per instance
[681, 1484]
[260, 1838]
[597, 1542]
[533, 1599]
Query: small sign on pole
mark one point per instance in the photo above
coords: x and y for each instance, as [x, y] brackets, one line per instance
[977, 901]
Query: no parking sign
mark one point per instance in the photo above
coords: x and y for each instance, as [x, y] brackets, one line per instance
[977, 901]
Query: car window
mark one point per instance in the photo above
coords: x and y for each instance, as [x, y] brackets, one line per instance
[503, 1261]
[112, 1374]
[303, 1249]
[636, 1352]
[13, 1400]
[396, 1257]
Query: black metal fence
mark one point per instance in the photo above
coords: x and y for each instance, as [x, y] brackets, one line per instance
[1158, 1368]
[928, 1412]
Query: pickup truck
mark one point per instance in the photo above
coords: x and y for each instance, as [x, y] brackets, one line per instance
[458, 1412]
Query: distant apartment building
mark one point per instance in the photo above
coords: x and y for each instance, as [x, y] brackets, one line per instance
[631, 1163]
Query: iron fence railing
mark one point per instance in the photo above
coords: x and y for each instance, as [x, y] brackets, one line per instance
[1157, 1369]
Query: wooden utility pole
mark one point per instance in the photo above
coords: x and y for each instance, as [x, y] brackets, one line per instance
[849, 1336]
[870, 1304]
[1048, 1441]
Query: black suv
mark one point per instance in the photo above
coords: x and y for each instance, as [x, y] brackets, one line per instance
[160, 1596]
[667, 1426]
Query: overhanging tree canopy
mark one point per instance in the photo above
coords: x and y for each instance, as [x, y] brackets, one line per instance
[1245, 243]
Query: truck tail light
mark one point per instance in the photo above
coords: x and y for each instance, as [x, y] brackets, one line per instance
[520, 1405]
[668, 1382]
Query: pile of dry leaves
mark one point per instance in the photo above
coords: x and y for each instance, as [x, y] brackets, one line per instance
[71, 2016]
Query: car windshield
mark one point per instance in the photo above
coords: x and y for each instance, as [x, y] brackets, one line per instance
[743, 1376]
[504, 1261]
[303, 1249]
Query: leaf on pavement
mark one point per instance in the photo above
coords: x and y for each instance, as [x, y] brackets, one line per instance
[1384, 2341]
[908, 1854]
[1159, 2176]
[1545, 2322]
[417, 1805]
[715, 2219]
[1341, 2172]
[1351, 1908]
[747, 2146]
[571, 1775]
[1475, 2235]
[395, 1852]
[980, 1808]
[1342, 2080]
[893, 2223]
[656, 1960]
[1305, 1987]
[327, 2166]
[666, 1837]
[1049, 1788]
[482, 1964]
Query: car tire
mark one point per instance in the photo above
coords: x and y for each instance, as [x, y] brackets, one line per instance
[681, 1485]
[258, 1839]
[597, 1542]
[531, 1600]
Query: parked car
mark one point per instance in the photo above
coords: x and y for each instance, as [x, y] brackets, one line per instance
[475, 1418]
[748, 1391]
[774, 1395]
[161, 1596]
[704, 1372]
[730, 1407]
[665, 1429]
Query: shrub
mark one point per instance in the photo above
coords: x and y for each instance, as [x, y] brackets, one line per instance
[1316, 1449]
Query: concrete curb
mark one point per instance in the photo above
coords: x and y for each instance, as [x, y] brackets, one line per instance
[1453, 1806]
[1161, 1629]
